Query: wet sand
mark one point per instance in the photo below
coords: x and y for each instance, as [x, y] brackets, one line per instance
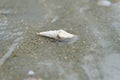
[95, 56]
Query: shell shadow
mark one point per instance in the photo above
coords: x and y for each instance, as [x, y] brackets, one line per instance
[67, 41]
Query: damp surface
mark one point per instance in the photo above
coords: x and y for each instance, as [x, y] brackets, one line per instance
[94, 56]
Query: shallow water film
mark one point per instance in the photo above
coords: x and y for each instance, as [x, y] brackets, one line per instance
[95, 56]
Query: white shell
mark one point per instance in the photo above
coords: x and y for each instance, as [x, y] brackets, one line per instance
[56, 34]
[51, 34]
[31, 72]
[104, 3]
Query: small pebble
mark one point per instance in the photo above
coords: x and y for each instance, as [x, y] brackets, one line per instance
[31, 72]
[33, 78]
[104, 3]
[65, 57]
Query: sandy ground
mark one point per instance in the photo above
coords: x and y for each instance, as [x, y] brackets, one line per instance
[95, 56]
